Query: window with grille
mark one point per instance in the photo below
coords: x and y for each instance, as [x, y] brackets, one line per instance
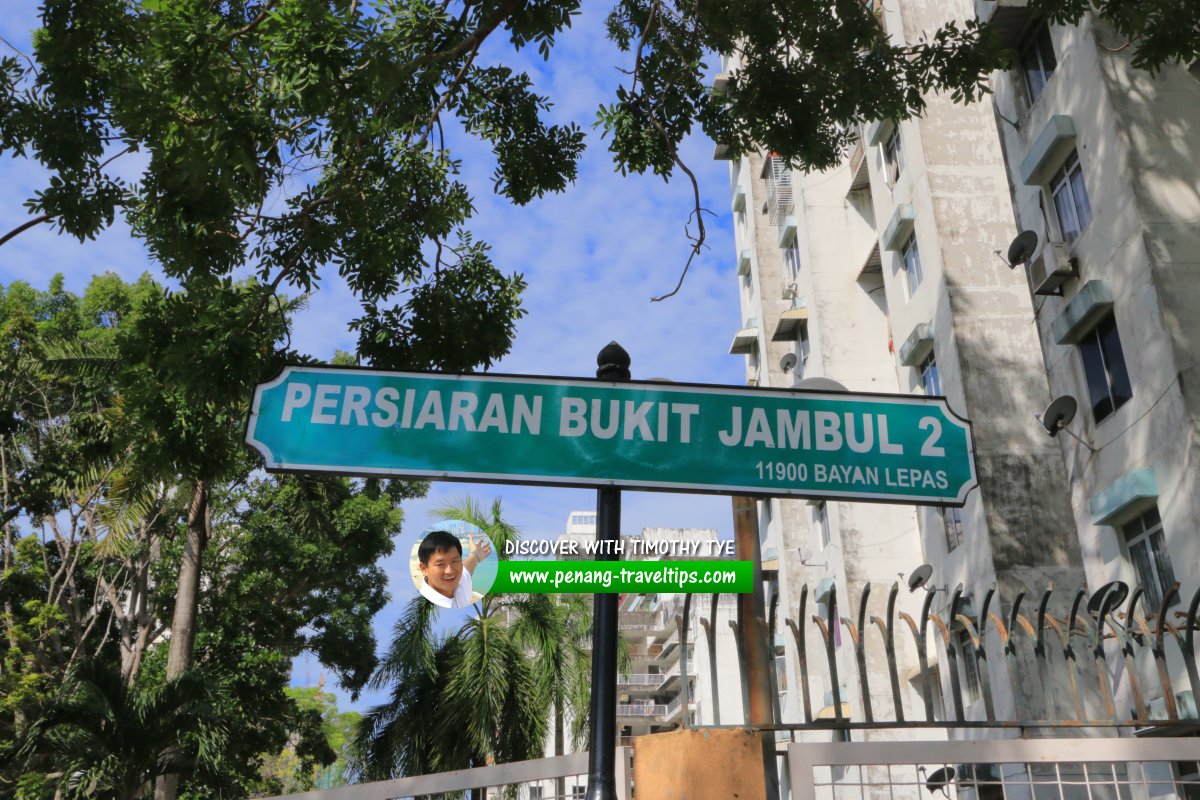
[910, 262]
[822, 520]
[931, 382]
[1147, 547]
[1071, 204]
[970, 667]
[1037, 61]
[1104, 368]
[893, 157]
[791, 258]
[778, 178]
[954, 527]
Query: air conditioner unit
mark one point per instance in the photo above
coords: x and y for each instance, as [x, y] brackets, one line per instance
[1051, 269]
[790, 291]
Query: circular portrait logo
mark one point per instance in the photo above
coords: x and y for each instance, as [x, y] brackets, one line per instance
[453, 564]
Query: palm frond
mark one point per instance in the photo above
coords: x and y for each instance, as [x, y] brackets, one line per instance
[80, 357]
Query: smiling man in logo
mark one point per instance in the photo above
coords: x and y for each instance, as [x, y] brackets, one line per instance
[445, 576]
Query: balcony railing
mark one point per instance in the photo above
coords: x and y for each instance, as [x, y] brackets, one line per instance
[640, 679]
[641, 710]
[656, 651]
[859, 177]
[779, 190]
[642, 621]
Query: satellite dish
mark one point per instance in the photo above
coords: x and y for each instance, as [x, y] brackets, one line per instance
[788, 362]
[821, 385]
[940, 780]
[920, 576]
[1059, 414]
[1111, 594]
[1022, 248]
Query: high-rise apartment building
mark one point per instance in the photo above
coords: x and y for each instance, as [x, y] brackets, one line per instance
[1103, 162]
[883, 275]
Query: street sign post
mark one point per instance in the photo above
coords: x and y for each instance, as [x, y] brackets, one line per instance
[637, 435]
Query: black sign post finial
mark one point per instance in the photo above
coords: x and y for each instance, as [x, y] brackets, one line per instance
[613, 363]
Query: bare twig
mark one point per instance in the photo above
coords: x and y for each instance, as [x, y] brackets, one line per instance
[637, 58]
[19, 52]
[697, 211]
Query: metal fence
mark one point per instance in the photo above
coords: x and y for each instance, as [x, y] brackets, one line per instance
[533, 780]
[1055, 671]
[1014, 769]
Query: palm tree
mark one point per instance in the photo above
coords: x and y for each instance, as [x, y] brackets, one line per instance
[556, 629]
[102, 738]
[484, 693]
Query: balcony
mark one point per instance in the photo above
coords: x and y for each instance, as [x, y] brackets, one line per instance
[666, 653]
[859, 176]
[644, 680]
[644, 621]
[641, 710]
[779, 189]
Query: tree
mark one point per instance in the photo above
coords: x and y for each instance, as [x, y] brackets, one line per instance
[299, 768]
[287, 134]
[292, 564]
[556, 630]
[483, 694]
[101, 738]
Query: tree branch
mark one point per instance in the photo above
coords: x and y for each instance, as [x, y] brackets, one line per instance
[697, 211]
[17, 231]
[254, 23]
[450, 90]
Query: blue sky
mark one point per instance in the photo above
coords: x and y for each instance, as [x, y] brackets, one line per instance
[592, 256]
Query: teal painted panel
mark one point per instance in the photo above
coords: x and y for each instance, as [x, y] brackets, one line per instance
[1132, 491]
[899, 227]
[1089, 305]
[1048, 150]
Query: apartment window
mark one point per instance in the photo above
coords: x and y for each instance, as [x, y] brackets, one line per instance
[1037, 61]
[1147, 546]
[970, 667]
[911, 264]
[1071, 199]
[781, 679]
[822, 519]
[954, 527]
[535, 793]
[803, 348]
[935, 693]
[893, 157]
[930, 381]
[791, 258]
[1104, 368]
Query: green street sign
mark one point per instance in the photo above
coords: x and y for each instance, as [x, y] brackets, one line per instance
[637, 435]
